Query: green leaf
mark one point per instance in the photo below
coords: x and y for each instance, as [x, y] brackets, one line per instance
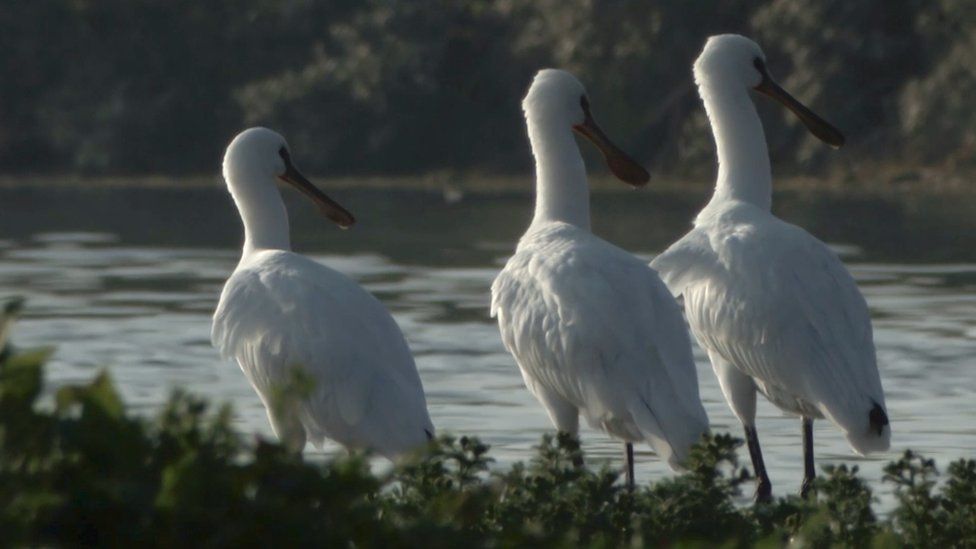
[98, 397]
[21, 376]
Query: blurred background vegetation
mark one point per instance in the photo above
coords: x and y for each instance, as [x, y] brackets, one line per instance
[128, 87]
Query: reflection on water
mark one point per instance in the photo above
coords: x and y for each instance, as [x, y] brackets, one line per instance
[128, 279]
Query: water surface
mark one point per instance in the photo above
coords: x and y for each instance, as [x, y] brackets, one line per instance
[128, 279]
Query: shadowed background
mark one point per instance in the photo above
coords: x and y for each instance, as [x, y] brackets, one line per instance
[385, 87]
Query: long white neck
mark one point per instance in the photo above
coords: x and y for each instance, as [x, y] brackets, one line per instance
[743, 157]
[263, 213]
[562, 193]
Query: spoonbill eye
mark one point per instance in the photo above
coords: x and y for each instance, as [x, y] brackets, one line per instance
[759, 64]
[585, 103]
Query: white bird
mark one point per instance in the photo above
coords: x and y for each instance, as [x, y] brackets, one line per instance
[592, 328]
[774, 307]
[326, 357]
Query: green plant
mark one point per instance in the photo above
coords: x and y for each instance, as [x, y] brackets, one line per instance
[82, 471]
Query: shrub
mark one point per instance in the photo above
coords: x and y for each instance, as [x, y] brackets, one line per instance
[81, 471]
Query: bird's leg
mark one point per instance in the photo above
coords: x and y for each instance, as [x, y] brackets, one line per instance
[629, 455]
[764, 488]
[809, 472]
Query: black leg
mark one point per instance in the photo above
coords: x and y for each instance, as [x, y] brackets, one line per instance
[764, 488]
[629, 453]
[809, 472]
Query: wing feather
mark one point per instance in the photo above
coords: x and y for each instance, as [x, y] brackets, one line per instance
[781, 307]
[282, 312]
[594, 324]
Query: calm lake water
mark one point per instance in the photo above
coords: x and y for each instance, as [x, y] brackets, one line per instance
[128, 279]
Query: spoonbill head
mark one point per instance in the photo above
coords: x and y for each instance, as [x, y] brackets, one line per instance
[734, 61]
[257, 157]
[556, 100]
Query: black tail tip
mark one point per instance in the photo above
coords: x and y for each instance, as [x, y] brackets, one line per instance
[878, 418]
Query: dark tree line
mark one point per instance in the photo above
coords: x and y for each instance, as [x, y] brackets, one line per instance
[385, 86]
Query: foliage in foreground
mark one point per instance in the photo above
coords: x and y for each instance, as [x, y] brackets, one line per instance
[84, 472]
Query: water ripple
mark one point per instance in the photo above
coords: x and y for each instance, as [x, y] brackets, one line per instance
[143, 311]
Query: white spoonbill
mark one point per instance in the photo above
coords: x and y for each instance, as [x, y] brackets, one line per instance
[592, 328]
[774, 307]
[326, 358]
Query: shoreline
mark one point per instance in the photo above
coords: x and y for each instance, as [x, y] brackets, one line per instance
[866, 180]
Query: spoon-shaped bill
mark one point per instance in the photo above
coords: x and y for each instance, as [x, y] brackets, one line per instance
[330, 208]
[817, 126]
[620, 163]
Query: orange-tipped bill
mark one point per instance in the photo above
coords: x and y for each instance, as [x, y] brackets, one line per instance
[817, 126]
[620, 163]
[326, 205]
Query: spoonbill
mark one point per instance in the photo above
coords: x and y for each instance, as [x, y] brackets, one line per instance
[592, 328]
[325, 357]
[773, 307]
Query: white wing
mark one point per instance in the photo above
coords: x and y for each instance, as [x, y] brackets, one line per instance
[594, 326]
[280, 312]
[779, 305]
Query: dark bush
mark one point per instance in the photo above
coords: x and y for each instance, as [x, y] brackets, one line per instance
[81, 471]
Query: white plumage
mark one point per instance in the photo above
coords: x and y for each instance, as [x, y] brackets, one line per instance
[777, 304]
[593, 329]
[773, 306]
[326, 357]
